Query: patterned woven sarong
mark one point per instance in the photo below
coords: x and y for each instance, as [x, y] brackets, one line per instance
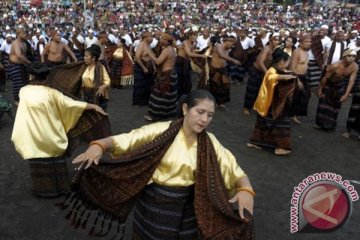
[49, 176]
[142, 86]
[164, 212]
[272, 134]
[182, 67]
[353, 121]
[220, 85]
[19, 77]
[329, 106]
[163, 98]
[252, 88]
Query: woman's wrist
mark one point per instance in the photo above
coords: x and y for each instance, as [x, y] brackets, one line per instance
[100, 144]
[246, 189]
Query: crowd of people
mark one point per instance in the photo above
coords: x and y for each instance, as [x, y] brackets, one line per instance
[165, 50]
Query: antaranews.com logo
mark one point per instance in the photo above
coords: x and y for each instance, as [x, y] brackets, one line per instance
[322, 202]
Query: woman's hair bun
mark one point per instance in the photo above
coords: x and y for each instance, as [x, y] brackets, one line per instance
[38, 69]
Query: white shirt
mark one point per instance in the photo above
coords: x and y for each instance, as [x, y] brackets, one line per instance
[201, 42]
[112, 38]
[5, 47]
[247, 43]
[154, 43]
[136, 44]
[65, 41]
[337, 53]
[353, 46]
[128, 40]
[34, 41]
[89, 42]
[80, 39]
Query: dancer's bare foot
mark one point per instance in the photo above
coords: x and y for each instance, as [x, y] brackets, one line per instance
[346, 135]
[296, 120]
[224, 107]
[281, 151]
[250, 145]
[317, 126]
[148, 118]
[246, 111]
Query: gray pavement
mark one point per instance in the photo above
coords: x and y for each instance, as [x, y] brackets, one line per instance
[24, 217]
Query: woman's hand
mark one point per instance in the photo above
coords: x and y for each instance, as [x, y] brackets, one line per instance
[245, 201]
[145, 70]
[97, 108]
[320, 93]
[90, 156]
[100, 110]
[300, 85]
[236, 62]
[344, 97]
[101, 91]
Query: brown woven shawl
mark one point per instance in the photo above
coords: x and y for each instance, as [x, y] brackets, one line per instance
[317, 50]
[238, 52]
[113, 186]
[91, 125]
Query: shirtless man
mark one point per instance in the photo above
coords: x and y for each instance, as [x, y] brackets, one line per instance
[331, 93]
[187, 51]
[299, 65]
[54, 52]
[163, 98]
[143, 71]
[78, 44]
[17, 64]
[219, 81]
[257, 72]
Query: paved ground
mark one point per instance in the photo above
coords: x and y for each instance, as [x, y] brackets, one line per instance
[25, 217]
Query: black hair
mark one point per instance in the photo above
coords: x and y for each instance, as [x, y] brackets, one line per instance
[39, 70]
[279, 55]
[294, 41]
[94, 50]
[192, 99]
[228, 38]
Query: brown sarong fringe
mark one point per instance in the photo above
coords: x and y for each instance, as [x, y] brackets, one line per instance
[127, 80]
[82, 210]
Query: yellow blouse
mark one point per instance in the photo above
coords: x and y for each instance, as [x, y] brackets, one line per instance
[118, 54]
[43, 118]
[266, 92]
[179, 162]
[88, 79]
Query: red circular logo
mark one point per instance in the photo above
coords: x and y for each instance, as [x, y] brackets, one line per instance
[325, 206]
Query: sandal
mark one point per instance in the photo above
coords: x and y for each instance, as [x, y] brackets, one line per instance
[282, 152]
[250, 145]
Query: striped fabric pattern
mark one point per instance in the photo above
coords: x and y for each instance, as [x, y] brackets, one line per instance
[115, 73]
[329, 106]
[142, 86]
[165, 213]
[19, 77]
[252, 88]
[162, 106]
[182, 67]
[354, 112]
[314, 74]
